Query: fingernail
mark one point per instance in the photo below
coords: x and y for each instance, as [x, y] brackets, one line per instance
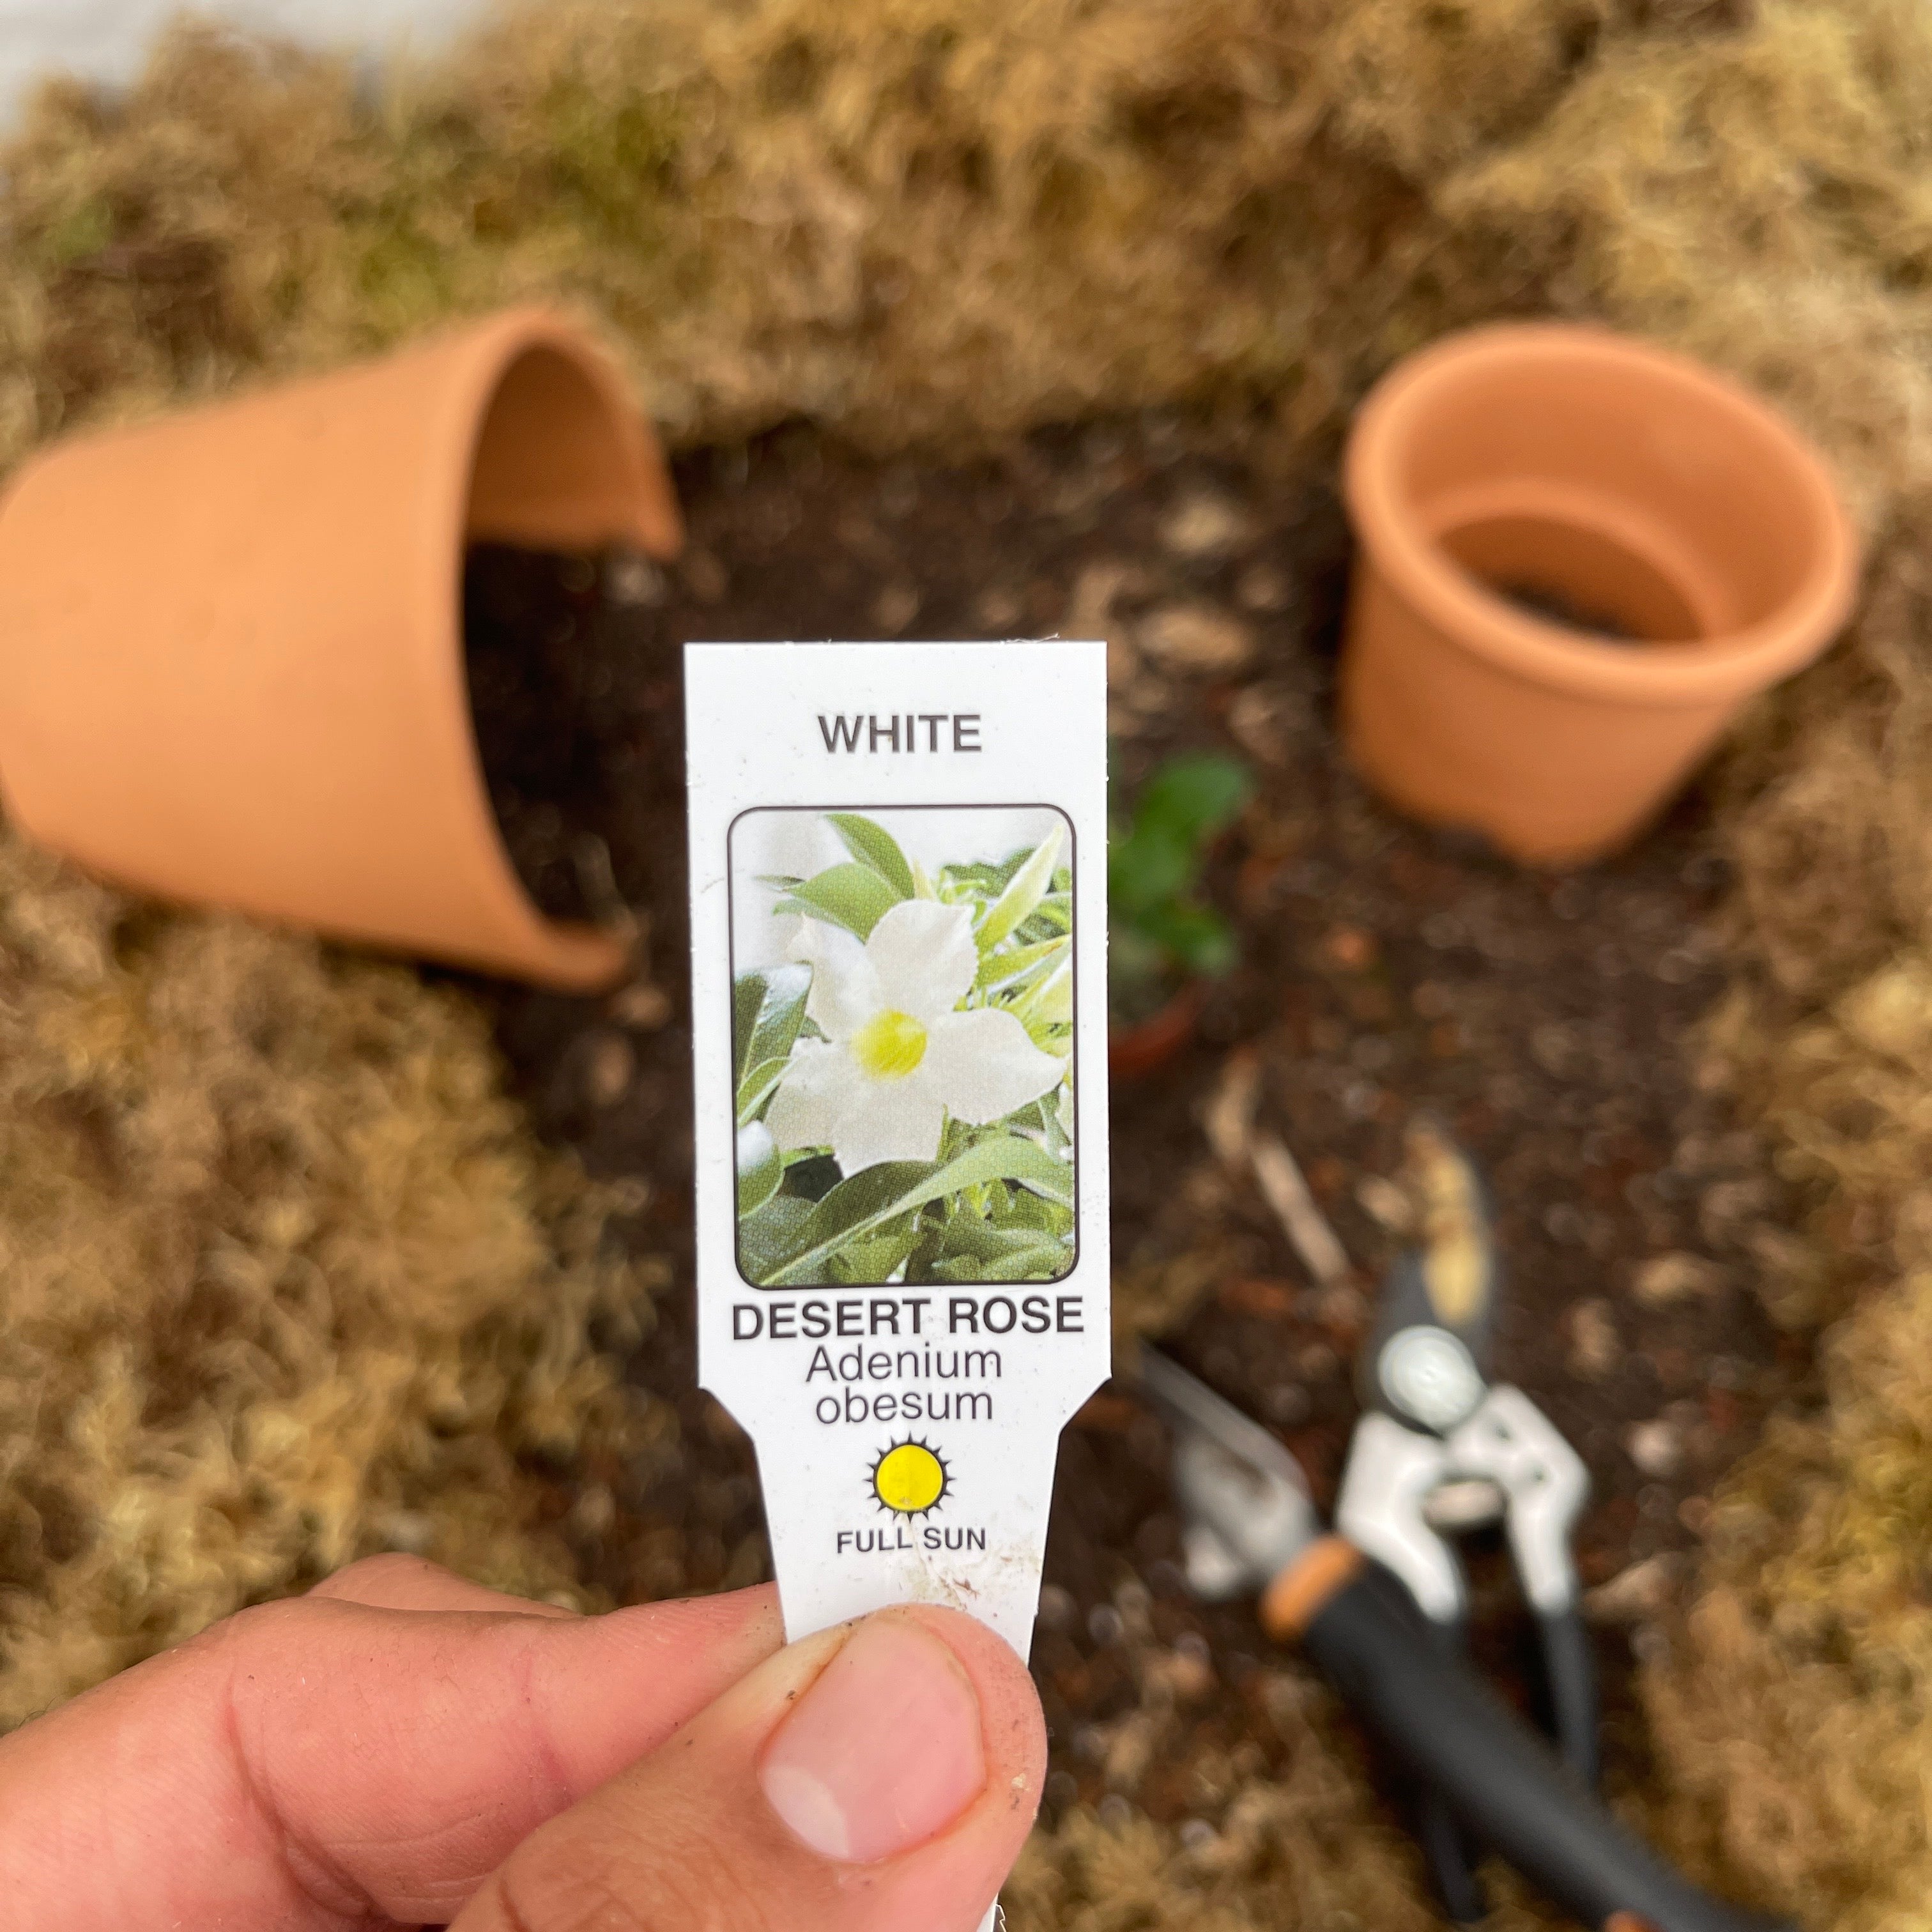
[883, 1751]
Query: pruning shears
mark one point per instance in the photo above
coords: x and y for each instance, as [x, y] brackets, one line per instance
[1250, 1525]
[1441, 1448]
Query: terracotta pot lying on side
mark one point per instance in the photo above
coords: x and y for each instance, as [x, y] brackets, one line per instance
[1580, 556]
[231, 651]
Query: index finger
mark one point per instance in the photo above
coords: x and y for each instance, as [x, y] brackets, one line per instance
[312, 1761]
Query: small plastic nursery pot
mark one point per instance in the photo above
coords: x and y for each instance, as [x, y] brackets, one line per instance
[1580, 556]
[231, 650]
[1142, 1047]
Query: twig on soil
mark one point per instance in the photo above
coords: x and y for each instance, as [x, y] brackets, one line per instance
[1229, 1121]
[1284, 1190]
[1229, 1116]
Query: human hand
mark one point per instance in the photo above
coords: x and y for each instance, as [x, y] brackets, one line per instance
[402, 1747]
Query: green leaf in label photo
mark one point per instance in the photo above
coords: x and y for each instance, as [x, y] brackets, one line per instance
[755, 1090]
[760, 1167]
[872, 844]
[767, 1011]
[858, 1208]
[767, 1234]
[1028, 886]
[852, 895]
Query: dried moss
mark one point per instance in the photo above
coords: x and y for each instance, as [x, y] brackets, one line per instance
[922, 218]
[283, 1279]
[1795, 1712]
[284, 1282]
[1306, 1847]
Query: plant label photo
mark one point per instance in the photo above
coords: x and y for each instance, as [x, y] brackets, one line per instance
[899, 1021]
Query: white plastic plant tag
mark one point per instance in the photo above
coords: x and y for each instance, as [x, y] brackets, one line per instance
[898, 923]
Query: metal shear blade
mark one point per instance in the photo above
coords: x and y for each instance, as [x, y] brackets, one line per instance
[1245, 1508]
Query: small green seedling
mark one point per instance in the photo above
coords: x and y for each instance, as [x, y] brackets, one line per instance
[1162, 932]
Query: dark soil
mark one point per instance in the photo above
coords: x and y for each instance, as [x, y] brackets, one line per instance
[1547, 1020]
[1557, 607]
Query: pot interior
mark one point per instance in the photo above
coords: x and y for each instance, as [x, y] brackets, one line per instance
[1617, 492]
[554, 467]
[1578, 577]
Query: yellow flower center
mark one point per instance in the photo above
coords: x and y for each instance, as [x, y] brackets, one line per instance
[888, 1045]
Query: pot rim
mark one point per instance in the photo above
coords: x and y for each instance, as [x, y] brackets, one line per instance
[584, 956]
[1487, 625]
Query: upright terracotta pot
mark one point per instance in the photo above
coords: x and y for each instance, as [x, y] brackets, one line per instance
[231, 651]
[1579, 557]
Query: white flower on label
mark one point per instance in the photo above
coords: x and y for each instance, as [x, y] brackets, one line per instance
[896, 1058]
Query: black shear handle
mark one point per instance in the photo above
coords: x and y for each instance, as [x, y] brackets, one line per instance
[1505, 1782]
[1570, 1673]
[1570, 1669]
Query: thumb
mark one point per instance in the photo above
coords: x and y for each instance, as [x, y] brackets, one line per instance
[876, 1777]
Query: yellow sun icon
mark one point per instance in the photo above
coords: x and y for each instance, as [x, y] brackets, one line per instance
[910, 1478]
